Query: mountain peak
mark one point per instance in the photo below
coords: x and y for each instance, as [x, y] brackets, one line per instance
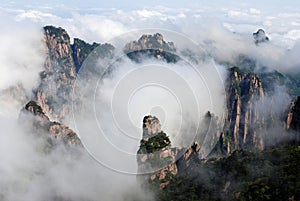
[56, 32]
[151, 46]
[260, 36]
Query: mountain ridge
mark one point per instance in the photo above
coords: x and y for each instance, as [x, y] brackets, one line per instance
[243, 136]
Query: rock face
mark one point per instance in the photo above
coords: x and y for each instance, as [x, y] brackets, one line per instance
[243, 120]
[41, 122]
[155, 156]
[151, 46]
[57, 80]
[81, 50]
[293, 117]
[63, 61]
[157, 160]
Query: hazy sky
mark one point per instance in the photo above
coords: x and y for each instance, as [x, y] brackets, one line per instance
[64, 7]
[131, 4]
[280, 19]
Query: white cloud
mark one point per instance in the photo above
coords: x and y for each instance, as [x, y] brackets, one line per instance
[148, 13]
[293, 34]
[236, 13]
[33, 15]
[22, 56]
[254, 11]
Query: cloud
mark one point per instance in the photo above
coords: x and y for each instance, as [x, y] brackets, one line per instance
[22, 56]
[28, 170]
[293, 34]
[115, 103]
[33, 15]
[31, 172]
[272, 109]
[254, 11]
[147, 13]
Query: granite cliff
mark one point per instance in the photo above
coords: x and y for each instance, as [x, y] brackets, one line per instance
[63, 61]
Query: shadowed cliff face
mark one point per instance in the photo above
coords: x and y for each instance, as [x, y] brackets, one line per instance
[81, 50]
[243, 121]
[293, 117]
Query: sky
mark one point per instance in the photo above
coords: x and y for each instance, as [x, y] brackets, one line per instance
[131, 4]
[280, 19]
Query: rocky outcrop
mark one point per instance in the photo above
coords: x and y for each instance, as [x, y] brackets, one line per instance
[157, 160]
[155, 156]
[293, 117]
[151, 46]
[81, 50]
[243, 121]
[63, 61]
[57, 80]
[32, 116]
[260, 36]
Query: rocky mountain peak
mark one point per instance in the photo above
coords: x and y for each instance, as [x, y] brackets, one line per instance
[158, 159]
[36, 110]
[151, 126]
[58, 77]
[155, 156]
[151, 46]
[56, 32]
[155, 41]
[63, 61]
[34, 117]
[260, 36]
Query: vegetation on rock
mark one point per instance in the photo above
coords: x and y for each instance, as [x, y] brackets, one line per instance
[154, 143]
[268, 175]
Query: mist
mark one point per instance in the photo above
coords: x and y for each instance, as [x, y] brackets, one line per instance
[28, 172]
[224, 37]
[22, 55]
[115, 101]
[29, 169]
[272, 110]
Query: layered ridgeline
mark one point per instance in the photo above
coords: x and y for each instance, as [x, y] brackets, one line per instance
[244, 89]
[246, 128]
